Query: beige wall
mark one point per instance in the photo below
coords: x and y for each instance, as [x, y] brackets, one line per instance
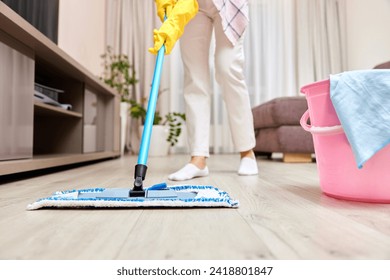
[81, 31]
[368, 33]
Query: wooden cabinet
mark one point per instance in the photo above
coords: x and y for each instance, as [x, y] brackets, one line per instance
[35, 135]
[16, 108]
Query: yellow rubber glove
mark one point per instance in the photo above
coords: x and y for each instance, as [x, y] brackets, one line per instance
[164, 7]
[173, 27]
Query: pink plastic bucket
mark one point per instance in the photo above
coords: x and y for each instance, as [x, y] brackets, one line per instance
[338, 172]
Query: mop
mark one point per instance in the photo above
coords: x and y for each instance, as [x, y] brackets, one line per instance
[159, 195]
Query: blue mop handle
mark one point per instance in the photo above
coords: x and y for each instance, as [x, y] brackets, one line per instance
[147, 133]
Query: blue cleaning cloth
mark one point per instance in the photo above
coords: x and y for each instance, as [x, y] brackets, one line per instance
[362, 103]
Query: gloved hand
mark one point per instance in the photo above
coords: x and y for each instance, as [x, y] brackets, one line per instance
[173, 27]
[164, 7]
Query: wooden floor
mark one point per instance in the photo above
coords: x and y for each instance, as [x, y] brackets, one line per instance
[282, 215]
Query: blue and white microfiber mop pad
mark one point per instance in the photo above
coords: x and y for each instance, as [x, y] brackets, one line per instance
[188, 196]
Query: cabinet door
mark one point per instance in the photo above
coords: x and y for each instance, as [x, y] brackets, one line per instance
[90, 122]
[16, 103]
[101, 121]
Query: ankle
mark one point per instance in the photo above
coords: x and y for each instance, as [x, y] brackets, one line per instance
[248, 154]
[198, 161]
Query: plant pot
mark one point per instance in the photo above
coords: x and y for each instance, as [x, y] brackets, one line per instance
[159, 146]
[124, 113]
[181, 147]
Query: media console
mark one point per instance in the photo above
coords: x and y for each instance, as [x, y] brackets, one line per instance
[35, 135]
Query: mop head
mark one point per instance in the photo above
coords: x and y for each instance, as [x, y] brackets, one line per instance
[184, 196]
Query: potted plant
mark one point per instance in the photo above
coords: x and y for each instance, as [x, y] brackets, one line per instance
[168, 127]
[120, 75]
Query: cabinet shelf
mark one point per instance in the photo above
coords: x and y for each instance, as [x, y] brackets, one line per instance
[52, 160]
[43, 109]
[35, 135]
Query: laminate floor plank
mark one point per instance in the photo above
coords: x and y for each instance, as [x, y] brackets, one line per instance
[282, 215]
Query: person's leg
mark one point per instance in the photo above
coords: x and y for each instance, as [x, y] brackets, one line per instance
[194, 46]
[229, 64]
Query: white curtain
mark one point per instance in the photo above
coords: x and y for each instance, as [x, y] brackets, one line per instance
[321, 39]
[129, 31]
[288, 44]
[270, 50]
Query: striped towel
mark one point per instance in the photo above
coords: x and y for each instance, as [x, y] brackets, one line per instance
[234, 14]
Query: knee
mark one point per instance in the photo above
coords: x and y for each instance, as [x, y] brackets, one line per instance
[227, 69]
[222, 71]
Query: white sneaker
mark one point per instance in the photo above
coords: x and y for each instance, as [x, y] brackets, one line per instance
[248, 166]
[189, 171]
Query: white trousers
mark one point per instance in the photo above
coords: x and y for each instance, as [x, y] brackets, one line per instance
[229, 68]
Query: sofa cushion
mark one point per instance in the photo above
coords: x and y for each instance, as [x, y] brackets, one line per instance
[284, 139]
[385, 65]
[279, 111]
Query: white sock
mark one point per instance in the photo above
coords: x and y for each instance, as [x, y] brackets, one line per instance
[189, 171]
[248, 166]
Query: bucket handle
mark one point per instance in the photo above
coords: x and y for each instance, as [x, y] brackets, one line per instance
[319, 130]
